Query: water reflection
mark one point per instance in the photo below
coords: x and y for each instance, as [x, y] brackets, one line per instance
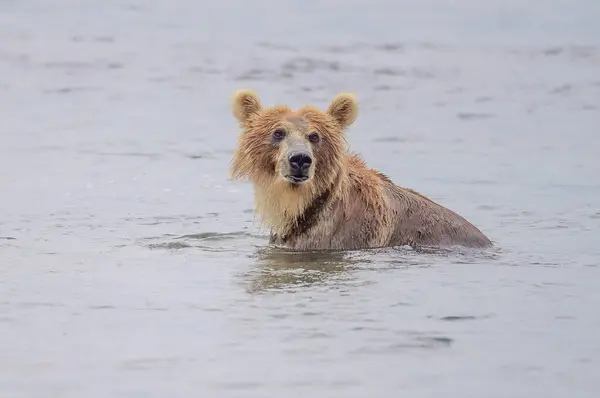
[279, 269]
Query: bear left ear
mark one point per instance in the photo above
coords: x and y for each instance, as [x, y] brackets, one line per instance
[344, 109]
[244, 104]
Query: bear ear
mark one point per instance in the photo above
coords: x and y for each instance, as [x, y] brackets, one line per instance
[344, 109]
[244, 104]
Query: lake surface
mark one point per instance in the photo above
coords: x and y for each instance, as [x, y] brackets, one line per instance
[131, 266]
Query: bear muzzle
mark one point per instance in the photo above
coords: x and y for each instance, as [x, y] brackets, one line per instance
[299, 167]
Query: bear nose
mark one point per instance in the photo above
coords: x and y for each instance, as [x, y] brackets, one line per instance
[300, 161]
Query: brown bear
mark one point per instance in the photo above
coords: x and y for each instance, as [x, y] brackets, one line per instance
[314, 194]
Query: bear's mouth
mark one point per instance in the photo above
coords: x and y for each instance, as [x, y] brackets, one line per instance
[296, 179]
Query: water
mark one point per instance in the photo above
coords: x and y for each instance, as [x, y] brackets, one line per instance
[130, 266]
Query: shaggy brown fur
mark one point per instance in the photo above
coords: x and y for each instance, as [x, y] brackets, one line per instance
[343, 204]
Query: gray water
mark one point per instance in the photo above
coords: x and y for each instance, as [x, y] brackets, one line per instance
[130, 266]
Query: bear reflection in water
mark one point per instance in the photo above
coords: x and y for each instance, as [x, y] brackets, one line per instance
[281, 269]
[314, 194]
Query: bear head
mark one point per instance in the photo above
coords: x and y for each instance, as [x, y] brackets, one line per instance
[302, 149]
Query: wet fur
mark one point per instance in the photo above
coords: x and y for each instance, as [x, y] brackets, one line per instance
[346, 205]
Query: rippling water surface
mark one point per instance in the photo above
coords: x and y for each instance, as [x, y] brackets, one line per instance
[130, 266]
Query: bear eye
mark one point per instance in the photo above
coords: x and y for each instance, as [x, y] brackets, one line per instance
[279, 134]
[314, 137]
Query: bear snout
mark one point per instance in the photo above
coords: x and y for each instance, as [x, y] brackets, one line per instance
[300, 163]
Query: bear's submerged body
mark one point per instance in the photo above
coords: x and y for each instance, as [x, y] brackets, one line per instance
[315, 195]
[370, 211]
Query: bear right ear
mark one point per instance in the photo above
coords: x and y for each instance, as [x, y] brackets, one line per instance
[344, 109]
[245, 103]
